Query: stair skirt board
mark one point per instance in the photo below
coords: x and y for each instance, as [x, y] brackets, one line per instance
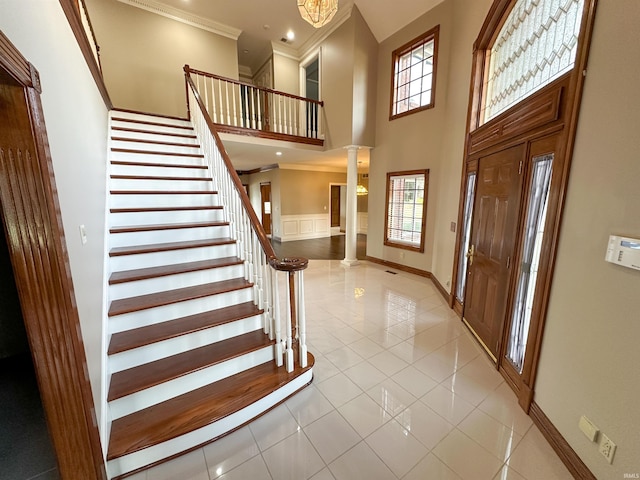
[173, 346]
[186, 383]
[202, 436]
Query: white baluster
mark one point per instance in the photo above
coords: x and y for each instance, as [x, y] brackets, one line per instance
[268, 295]
[235, 89]
[302, 322]
[259, 109]
[276, 317]
[289, 333]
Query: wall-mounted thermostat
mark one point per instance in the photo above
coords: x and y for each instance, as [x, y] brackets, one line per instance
[624, 251]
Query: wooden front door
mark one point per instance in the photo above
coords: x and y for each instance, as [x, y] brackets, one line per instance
[265, 202]
[335, 205]
[493, 239]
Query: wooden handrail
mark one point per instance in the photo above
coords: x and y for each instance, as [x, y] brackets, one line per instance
[93, 33]
[284, 264]
[244, 84]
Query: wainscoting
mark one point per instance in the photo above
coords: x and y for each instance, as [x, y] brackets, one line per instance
[305, 227]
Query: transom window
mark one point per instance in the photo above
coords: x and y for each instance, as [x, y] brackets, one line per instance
[537, 44]
[406, 209]
[414, 75]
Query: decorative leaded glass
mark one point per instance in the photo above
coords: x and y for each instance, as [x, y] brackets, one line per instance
[537, 44]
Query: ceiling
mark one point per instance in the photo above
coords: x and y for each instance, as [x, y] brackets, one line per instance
[264, 21]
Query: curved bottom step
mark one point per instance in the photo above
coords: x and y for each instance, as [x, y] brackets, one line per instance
[176, 426]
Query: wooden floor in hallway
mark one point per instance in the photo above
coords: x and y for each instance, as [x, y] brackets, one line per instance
[327, 248]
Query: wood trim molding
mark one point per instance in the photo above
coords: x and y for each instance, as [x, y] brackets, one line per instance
[170, 117]
[35, 235]
[443, 291]
[14, 63]
[568, 456]
[399, 266]
[248, 132]
[73, 17]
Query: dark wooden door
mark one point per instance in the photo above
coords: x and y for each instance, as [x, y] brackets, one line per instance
[265, 202]
[335, 205]
[493, 238]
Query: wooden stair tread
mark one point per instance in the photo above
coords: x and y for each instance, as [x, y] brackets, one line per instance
[197, 408]
[165, 369]
[158, 177]
[151, 132]
[166, 226]
[165, 247]
[158, 299]
[147, 122]
[165, 270]
[165, 209]
[138, 337]
[151, 152]
[154, 142]
[163, 192]
[132, 163]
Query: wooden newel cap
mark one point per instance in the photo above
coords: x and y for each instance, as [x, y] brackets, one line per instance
[290, 264]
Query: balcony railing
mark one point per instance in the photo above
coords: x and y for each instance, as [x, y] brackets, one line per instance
[245, 109]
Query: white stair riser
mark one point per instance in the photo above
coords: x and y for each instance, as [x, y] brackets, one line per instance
[183, 343]
[186, 383]
[172, 282]
[140, 170]
[155, 137]
[155, 158]
[154, 147]
[152, 185]
[165, 217]
[154, 128]
[156, 453]
[170, 257]
[172, 235]
[120, 323]
[145, 117]
[142, 200]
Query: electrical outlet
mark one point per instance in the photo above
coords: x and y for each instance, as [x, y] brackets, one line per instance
[607, 447]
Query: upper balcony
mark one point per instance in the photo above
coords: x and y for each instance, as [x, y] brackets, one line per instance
[244, 109]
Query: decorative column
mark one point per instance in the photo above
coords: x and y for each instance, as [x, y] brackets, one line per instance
[350, 258]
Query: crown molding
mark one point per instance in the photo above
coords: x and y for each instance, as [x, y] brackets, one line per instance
[185, 17]
[309, 167]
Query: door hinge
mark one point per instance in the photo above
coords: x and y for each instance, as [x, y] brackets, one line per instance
[520, 168]
[508, 262]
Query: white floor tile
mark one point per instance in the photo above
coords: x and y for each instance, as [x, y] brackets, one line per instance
[191, 466]
[293, 459]
[424, 424]
[230, 451]
[391, 396]
[365, 375]
[397, 448]
[273, 427]
[388, 363]
[496, 438]
[508, 474]
[465, 457]
[324, 474]
[339, 389]
[344, 358]
[473, 390]
[331, 436]
[308, 405]
[447, 404]
[430, 467]
[502, 406]
[255, 469]
[364, 415]
[534, 458]
[414, 381]
[366, 348]
[360, 463]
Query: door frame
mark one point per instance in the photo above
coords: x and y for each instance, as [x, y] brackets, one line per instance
[553, 110]
[37, 246]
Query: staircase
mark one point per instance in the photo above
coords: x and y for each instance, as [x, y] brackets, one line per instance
[188, 356]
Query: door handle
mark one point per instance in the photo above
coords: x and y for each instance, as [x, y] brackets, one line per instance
[470, 254]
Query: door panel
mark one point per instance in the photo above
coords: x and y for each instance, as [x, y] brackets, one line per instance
[265, 201]
[335, 205]
[493, 236]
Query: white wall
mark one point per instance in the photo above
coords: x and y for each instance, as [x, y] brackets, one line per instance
[589, 360]
[76, 121]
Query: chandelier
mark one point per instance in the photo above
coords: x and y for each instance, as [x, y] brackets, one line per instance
[318, 12]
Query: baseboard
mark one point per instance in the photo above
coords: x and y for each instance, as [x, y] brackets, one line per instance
[562, 448]
[447, 295]
[398, 266]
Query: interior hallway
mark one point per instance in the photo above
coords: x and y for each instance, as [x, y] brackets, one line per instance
[400, 391]
[327, 248]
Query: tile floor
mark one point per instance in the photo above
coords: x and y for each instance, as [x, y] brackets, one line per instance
[400, 391]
